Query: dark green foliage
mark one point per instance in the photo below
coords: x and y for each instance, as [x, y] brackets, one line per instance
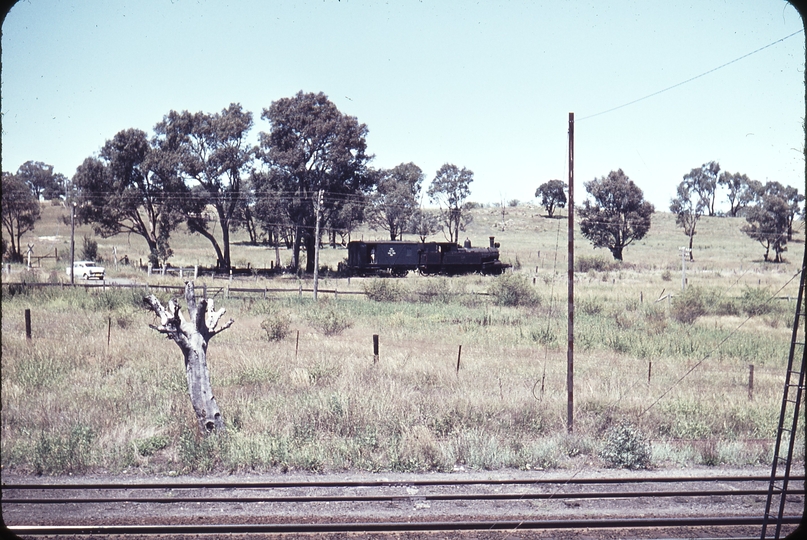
[618, 216]
[450, 188]
[756, 301]
[89, 249]
[20, 210]
[553, 195]
[626, 448]
[600, 264]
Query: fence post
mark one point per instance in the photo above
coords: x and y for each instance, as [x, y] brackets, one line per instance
[375, 348]
[297, 345]
[649, 370]
[28, 324]
[459, 355]
[108, 333]
[180, 272]
[149, 270]
[300, 291]
[750, 381]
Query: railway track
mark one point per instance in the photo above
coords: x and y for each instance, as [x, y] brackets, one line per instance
[648, 506]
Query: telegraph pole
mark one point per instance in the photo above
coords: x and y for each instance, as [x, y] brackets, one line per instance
[72, 243]
[570, 328]
[316, 244]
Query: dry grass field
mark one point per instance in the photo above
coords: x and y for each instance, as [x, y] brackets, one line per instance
[74, 402]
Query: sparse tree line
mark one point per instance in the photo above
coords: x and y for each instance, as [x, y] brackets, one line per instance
[198, 169]
[617, 214]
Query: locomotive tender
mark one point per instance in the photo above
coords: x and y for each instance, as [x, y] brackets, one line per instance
[398, 258]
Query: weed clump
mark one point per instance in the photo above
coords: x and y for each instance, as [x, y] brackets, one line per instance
[688, 306]
[598, 264]
[330, 320]
[513, 290]
[626, 448]
[755, 302]
[277, 327]
[385, 290]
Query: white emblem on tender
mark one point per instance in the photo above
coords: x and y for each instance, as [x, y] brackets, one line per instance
[391, 252]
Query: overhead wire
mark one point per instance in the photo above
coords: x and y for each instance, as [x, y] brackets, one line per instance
[691, 78]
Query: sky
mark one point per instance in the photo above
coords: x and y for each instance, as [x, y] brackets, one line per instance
[483, 85]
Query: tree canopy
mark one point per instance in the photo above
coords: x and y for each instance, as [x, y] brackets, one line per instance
[312, 146]
[688, 212]
[20, 211]
[396, 198]
[450, 189]
[553, 195]
[618, 216]
[131, 188]
[41, 179]
[210, 153]
[703, 181]
[768, 220]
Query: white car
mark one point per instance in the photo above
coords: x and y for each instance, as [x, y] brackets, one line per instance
[86, 270]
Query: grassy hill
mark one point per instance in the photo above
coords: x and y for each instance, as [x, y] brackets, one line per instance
[97, 389]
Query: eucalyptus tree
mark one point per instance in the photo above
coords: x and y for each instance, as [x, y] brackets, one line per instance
[688, 211]
[212, 155]
[768, 220]
[703, 181]
[312, 146]
[450, 189]
[553, 195]
[618, 216]
[741, 191]
[41, 180]
[396, 198]
[131, 188]
[20, 211]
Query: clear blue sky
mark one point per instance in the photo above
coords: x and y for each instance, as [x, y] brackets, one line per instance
[484, 85]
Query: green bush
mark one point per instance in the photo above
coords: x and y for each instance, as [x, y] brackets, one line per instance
[513, 290]
[756, 301]
[625, 448]
[688, 306]
[385, 290]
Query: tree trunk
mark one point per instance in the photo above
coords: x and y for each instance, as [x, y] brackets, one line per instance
[193, 336]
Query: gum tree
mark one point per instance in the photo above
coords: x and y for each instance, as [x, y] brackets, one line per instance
[312, 146]
[552, 195]
[396, 198]
[20, 211]
[450, 188]
[618, 216]
[688, 212]
[213, 157]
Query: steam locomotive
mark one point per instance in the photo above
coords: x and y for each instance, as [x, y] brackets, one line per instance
[397, 258]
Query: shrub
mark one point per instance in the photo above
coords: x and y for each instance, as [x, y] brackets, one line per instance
[277, 326]
[666, 275]
[330, 320]
[89, 252]
[600, 264]
[513, 290]
[385, 290]
[687, 307]
[625, 448]
[755, 301]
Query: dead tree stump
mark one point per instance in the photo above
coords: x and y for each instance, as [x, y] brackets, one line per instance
[193, 336]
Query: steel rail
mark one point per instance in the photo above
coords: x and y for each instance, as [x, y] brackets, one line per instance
[394, 483]
[398, 497]
[424, 526]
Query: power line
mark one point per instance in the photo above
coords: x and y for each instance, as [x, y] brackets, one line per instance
[692, 79]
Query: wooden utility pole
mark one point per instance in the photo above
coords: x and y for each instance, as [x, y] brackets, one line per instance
[316, 244]
[72, 243]
[570, 326]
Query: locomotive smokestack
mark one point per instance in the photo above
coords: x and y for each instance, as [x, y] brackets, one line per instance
[491, 240]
